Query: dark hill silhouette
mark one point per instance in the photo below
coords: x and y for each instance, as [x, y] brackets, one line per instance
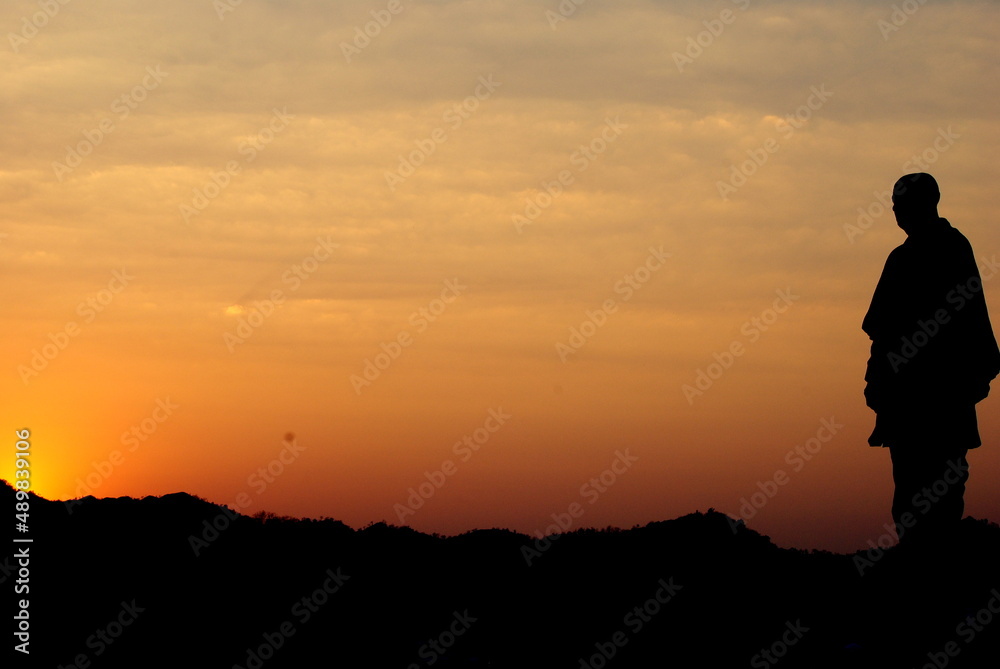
[117, 582]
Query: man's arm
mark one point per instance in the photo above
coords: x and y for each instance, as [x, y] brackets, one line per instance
[881, 324]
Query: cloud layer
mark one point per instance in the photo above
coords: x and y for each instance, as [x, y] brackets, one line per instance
[318, 173]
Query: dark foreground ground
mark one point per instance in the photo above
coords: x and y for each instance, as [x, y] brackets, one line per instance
[145, 583]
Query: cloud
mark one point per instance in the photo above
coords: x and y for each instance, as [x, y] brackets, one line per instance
[408, 95]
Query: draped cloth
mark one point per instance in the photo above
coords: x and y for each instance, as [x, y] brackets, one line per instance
[933, 351]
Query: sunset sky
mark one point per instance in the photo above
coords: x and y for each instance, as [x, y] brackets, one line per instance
[379, 228]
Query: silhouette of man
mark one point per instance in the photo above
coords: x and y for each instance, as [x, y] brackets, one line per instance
[933, 355]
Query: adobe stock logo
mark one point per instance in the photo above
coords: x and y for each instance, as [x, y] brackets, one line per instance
[635, 620]
[121, 107]
[714, 28]
[926, 330]
[625, 287]
[592, 491]
[567, 8]
[580, 160]
[901, 13]
[706, 377]
[390, 351]
[363, 35]
[464, 449]
[796, 458]
[436, 647]
[250, 148]
[88, 309]
[453, 119]
[921, 162]
[37, 21]
[740, 173]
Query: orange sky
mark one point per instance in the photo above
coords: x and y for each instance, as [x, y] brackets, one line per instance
[218, 222]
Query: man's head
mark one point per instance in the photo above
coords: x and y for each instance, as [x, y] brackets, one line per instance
[915, 199]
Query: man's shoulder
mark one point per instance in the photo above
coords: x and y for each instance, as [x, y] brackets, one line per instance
[960, 244]
[943, 238]
[950, 230]
[899, 253]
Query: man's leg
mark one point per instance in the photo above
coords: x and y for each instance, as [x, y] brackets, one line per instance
[930, 490]
[907, 478]
[930, 487]
[948, 489]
